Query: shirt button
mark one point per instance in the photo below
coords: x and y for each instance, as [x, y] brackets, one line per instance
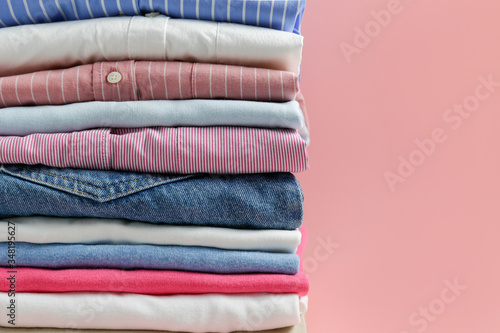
[114, 77]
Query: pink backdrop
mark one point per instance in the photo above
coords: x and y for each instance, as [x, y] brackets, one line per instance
[403, 195]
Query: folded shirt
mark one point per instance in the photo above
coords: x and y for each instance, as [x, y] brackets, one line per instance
[299, 328]
[154, 282]
[280, 15]
[230, 150]
[151, 282]
[70, 230]
[81, 116]
[187, 313]
[31, 48]
[168, 257]
[147, 80]
[253, 201]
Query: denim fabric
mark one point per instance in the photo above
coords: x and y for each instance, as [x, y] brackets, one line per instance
[183, 258]
[255, 201]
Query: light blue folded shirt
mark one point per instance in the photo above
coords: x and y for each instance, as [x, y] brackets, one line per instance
[184, 258]
[25, 120]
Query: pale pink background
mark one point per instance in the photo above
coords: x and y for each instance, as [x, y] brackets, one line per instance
[397, 248]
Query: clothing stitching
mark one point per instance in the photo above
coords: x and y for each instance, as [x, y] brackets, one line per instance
[192, 81]
[177, 159]
[217, 43]
[128, 37]
[134, 80]
[167, 21]
[92, 195]
[105, 156]
[82, 183]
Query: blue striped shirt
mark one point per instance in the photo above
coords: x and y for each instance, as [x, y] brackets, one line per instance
[283, 15]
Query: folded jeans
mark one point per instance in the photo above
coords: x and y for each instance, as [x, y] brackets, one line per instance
[252, 201]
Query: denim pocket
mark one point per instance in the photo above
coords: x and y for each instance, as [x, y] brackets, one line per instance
[101, 186]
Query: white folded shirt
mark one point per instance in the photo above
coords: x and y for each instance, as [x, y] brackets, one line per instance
[41, 229]
[193, 313]
[30, 48]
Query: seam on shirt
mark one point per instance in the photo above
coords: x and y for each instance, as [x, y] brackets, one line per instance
[177, 152]
[217, 43]
[79, 182]
[96, 86]
[192, 80]
[92, 195]
[165, 38]
[128, 37]
[71, 154]
[133, 69]
[106, 158]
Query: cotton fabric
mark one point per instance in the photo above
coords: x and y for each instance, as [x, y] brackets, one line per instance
[229, 150]
[43, 230]
[22, 121]
[299, 328]
[31, 48]
[151, 282]
[280, 15]
[193, 313]
[147, 80]
[166, 257]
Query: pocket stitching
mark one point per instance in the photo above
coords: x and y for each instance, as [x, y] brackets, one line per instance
[76, 181]
[92, 195]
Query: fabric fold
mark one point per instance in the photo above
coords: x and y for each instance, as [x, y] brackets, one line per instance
[164, 257]
[43, 230]
[147, 80]
[213, 313]
[299, 328]
[27, 120]
[229, 150]
[32, 48]
[253, 201]
[151, 282]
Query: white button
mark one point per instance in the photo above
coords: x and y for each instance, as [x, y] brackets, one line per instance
[114, 77]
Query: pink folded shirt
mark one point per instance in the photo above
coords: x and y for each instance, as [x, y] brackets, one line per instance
[151, 282]
[146, 80]
[231, 150]
[156, 282]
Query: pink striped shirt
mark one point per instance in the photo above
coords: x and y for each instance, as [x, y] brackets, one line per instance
[163, 150]
[145, 80]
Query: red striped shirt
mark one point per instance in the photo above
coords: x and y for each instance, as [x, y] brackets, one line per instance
[145, 80]
[163, 150]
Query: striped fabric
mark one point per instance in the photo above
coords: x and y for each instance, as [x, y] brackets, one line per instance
[230, 150]
[283, 15]
[145, 80]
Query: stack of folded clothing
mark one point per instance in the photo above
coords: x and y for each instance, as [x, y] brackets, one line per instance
[147, 151]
